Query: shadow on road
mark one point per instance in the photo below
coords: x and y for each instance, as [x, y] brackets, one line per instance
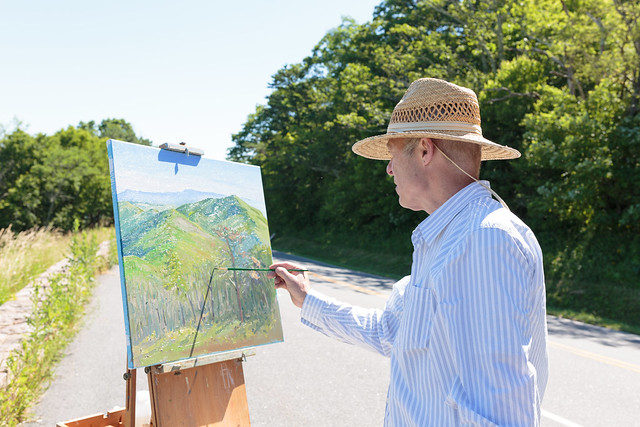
[559, 327]
[369, 281]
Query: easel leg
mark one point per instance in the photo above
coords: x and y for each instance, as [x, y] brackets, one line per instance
[130, 411]
[152, 397]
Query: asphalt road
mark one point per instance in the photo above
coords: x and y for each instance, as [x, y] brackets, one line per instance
[312, 380]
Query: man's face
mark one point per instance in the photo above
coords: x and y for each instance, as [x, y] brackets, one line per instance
[407, 172]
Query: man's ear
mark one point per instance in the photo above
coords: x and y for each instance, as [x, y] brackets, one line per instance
[427, 149]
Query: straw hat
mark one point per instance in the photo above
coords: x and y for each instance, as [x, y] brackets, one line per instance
[433, 108]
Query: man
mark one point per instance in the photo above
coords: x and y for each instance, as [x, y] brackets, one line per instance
[466, 331]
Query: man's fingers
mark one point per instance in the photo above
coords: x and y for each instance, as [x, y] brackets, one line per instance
[286, 265]
[284, 273]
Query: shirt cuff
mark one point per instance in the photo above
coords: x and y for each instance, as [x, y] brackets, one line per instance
[312, 308]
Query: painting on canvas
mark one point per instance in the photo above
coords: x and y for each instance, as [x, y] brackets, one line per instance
[178, 217]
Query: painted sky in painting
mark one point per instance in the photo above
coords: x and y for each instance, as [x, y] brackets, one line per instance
[139, 168]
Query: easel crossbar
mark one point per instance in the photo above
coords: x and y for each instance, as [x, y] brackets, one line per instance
[203, 360]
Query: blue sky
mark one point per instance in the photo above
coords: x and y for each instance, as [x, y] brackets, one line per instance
[177, 71]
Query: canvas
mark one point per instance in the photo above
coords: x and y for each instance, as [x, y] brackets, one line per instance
[177, 218]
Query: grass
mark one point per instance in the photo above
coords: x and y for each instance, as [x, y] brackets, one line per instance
[225, 336]
[25, 255]
[593, 319]
[54, 322]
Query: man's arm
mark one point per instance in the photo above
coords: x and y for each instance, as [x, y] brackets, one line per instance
[371, 328]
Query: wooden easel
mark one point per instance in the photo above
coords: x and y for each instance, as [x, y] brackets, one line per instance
[205, 391]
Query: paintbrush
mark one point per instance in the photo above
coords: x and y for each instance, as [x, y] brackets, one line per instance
[254, 269]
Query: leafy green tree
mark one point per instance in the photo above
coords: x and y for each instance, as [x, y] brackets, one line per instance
[71, 179]
[118, 129]
[58, 180]
[560, 81]
[18, 152]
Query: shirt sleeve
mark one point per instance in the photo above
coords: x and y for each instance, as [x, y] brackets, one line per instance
[370, 328]
[487, 294]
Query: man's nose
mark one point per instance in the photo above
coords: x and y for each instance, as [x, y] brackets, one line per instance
[389, 170]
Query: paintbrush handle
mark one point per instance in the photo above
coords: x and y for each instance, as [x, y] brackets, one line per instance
[256, 269]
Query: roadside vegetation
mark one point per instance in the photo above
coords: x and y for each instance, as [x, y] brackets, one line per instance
[26, 255]
[59, 307]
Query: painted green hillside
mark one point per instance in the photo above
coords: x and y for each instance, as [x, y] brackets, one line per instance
[169, 256]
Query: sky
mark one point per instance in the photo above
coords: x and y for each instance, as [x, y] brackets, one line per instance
[187, 71]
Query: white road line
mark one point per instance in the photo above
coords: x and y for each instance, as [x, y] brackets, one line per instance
[559, 419]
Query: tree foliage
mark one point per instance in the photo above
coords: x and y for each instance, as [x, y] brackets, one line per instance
[558, 80]
[59, 180]
[114, 129]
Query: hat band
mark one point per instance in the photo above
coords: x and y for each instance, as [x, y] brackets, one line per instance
[434, 126]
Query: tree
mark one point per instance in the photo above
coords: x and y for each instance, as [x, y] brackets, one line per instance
[18, 152]
[58, 180]
[118, 129]
[233, 240]
[560, 81]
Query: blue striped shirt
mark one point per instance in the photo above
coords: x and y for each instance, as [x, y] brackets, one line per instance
[466, 331]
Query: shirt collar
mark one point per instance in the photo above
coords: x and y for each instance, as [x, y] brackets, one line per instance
[428, 229]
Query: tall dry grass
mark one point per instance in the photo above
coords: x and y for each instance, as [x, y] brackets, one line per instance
[26, 255]
[55, 322]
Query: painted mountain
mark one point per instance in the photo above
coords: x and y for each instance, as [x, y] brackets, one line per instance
[174, 199]
[178, 305]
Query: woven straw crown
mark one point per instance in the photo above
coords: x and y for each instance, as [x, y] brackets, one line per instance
[433, 108]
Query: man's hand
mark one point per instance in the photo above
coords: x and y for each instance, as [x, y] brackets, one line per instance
[295, 282]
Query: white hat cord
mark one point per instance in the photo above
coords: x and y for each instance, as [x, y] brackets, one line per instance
[498, 198]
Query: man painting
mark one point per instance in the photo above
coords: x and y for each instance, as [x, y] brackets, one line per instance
[466, 331]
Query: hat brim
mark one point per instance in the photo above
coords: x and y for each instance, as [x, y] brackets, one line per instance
[375, 147]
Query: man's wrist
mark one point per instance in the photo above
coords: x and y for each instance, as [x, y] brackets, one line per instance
[312, 305]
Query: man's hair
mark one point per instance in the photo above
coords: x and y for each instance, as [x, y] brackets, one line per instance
[467, 155]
